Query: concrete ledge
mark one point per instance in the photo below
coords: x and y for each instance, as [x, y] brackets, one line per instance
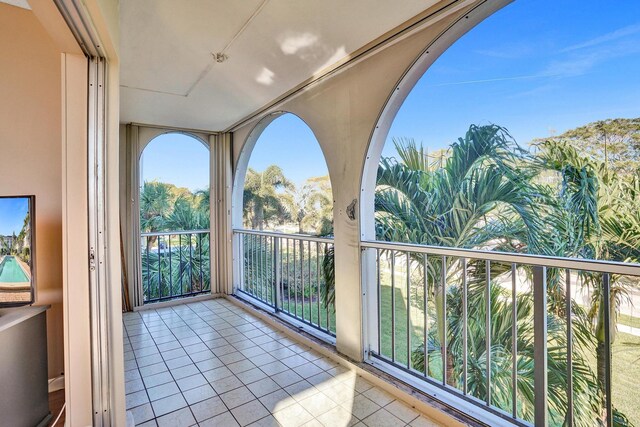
[177, 301]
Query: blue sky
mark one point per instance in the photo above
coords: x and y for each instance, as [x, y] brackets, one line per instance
[12, 214]
[177, 159]
[291, 144]
[536, 67]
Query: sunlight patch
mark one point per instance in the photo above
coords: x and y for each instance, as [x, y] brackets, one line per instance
[293, 43]
[265, 77]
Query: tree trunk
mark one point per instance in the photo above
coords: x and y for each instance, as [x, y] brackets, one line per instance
[450, 379]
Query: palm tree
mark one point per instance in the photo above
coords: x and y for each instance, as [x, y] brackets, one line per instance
[311, 206]
[484, 193]
[156, 202]
[181, 265]
[262, 204]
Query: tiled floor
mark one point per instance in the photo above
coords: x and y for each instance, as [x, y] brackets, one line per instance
[211, 363]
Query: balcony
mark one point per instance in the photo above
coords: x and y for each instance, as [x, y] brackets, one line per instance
[212, 363]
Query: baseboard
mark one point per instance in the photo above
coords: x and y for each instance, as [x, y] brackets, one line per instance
[177, 301]
[56, 384]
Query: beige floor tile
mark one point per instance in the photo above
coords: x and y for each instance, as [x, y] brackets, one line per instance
[180, 418]
[199, 394]
[249, 412]
[237, 397]
[208, 408]
[286, 378]
[226, 384]
[382, 418]
[293, 416]
[313, 423]
[318, 404]
[361, 406]
[224, 419]
[403, 411]
[168, 404]
[337, 417]
[263, 387]
[268, 421]
[251, 376]
[301, 390]
[379, 396]
[277, 400]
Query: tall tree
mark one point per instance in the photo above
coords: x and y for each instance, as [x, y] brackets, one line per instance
[262, 203]
[614, 142]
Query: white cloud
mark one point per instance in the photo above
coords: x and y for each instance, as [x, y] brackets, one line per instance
[605, 38]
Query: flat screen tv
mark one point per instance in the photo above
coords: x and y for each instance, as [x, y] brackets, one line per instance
[17, 251]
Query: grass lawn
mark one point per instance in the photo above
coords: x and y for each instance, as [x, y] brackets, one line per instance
[308, 310]
[625, 319]
[626, 350]
[626, 376]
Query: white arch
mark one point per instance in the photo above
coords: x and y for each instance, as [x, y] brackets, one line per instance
[245, 156]
[152, 134]
[395, 100]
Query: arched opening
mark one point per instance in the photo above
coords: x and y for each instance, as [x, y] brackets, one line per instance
[521, 139]
[283, 214]
[174, 217]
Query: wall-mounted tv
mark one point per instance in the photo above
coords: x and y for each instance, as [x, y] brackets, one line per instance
[17, 251]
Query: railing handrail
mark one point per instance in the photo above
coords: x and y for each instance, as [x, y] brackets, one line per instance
[296, 236]
[172, 233]
[598, 266]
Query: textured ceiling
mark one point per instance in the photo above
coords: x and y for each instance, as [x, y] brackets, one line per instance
[169, 77]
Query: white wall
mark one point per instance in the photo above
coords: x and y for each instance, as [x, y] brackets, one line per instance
[343, 111]
[31, 156]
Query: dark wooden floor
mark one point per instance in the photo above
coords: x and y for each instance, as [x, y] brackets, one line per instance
[56, 400]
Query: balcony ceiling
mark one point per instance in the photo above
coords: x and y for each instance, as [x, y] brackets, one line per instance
[168, 74]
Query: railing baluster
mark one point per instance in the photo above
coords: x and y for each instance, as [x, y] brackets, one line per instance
[318, 281]
[408, 271]
[444, 320]
[180, 269]
[540, 344]
[252, 264]
[465, 327]
[191, 279]
[379, 290]
[170, 270]
[159, 269]
[295, 279]
[201, 275]
[302, 276]
[514, 343]
[393, 306]
[488, 329]
[288, 276]
[326, 309]
[277, 265]
[606, 303]
[426, 315]
[148, 271]
[569, 309]
[309, 283]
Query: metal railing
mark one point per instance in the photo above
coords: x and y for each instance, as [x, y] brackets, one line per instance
[175, 264]
[287, 272]
[493, 331]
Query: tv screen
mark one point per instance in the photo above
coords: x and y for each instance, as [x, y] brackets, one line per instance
[17, 250]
